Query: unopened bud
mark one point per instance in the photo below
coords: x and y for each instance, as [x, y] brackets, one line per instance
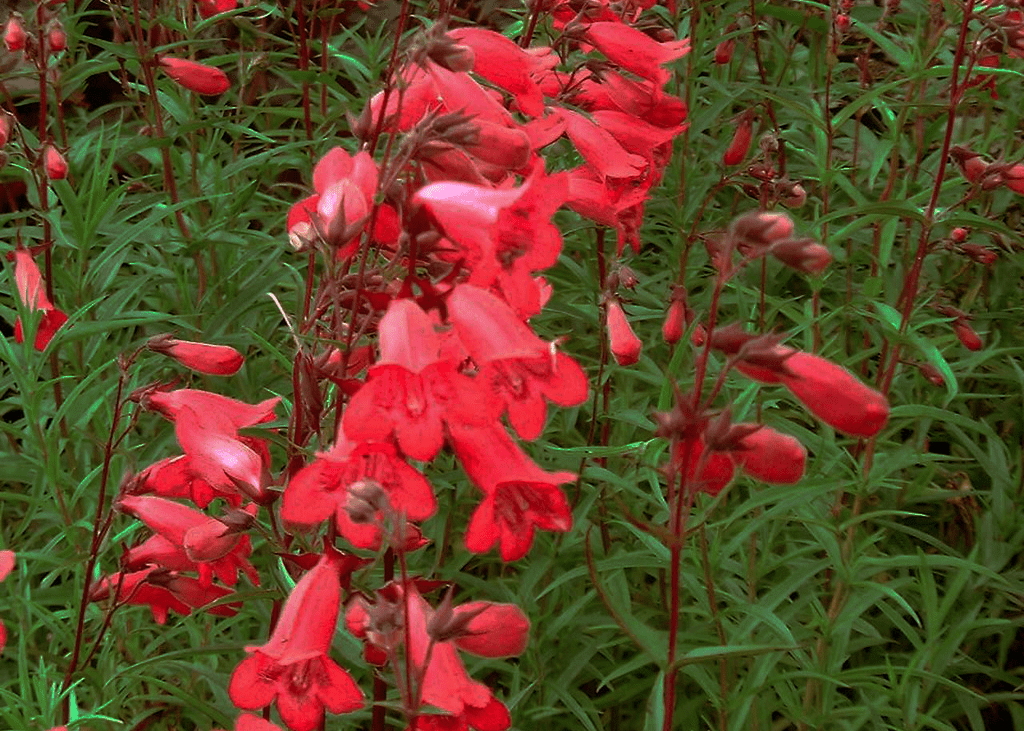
[762, 228]
[805, 255]
[966, 334]
[6, 127]
[979, 253]
[672, 330]
[624, 343]
[54, 164]
[741, 139]
[56, 38]
[724, 51]
[958, 234]
[14, 34]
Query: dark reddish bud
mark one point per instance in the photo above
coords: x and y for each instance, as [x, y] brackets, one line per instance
[724, 50]
[741, 139]
[624, 343]
[793, 195]
[1013, 178]
[958, 235]
[979, 253]
[699, 335]
[842, 22]
[966, 334]
[54, 164]
[932, 374]
[14, 34]
[56, 38]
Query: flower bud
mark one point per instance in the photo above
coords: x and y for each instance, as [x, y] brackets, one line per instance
[675, 318]
[625, 345]
[6, 127]
[772, 456]
[958, 235]
[14, 34]
[971, 165]
[214, 360]
[54, 164]
[762, 228]
[979, 253]
[805, 255]
[56, 38]
[740, 144]
[196, 77]
[724, 50]
[966, 334]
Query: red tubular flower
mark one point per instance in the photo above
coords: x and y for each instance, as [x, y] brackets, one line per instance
[197, 77]
[599, 148]
[716, 469]
[966, 334]
[435, 636]
[624, 343]
[835, 395]
[202, 543]
[675, 320]
[175, 477]
[518, 368]
[163, 591]
[413, 391]
[210, 8]
[293, 667]
[503, 63]
[771, 456]
[32, 292]
[6, 566]
[364, 486]
[214, 360]
[518, 495]
[634, 50]
[740, 142]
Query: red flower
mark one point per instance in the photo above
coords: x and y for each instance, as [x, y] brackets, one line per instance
[293, 667]
[771, 456]
[624, 343]
[197, 77]
[14, 34]
[518, 495]
[740, 141]
[362, 485]
[191, 540]
[214, 360]
[412, 391]
[54, 164]
[636, 51]
[209, 8]
[174, 477]
[163, 591]
[502, 62]
[6, 566]
[519, 369]
[966, 334]
[716, 469]
[435, 636]
[32, 293]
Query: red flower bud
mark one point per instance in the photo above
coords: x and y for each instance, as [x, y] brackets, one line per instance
[56, 38]
[6, 127]
[740, 144]
[970, 163]
[772, 456]
[958, 235]
[14, 34]
[835, 395]
[723, 51]
[842, 22]
[196, 77]
[54, 164]
[675, 320]
[761, 228]
[805, 255]
[625, 345]
[966, 335]
[215, 360]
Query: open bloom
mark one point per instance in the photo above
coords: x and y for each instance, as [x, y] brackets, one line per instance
[293, 667]
[364, 486]
[435, 636]
[163, 591]
[519, 368]
[413, 391]
[519, 496]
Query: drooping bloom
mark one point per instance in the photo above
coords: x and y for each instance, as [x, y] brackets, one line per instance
[163, 591]
[502, 62]
[190, 540]
[214, 360]
[624, 343]
[413, 391]
[194, 76]
[32, 292]
[771, 456]
[6, 566]
[293, 667]
[435, 636]
[519, 368]
[636, 51]
[740, 144]
[519, 496]
[365, 486]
